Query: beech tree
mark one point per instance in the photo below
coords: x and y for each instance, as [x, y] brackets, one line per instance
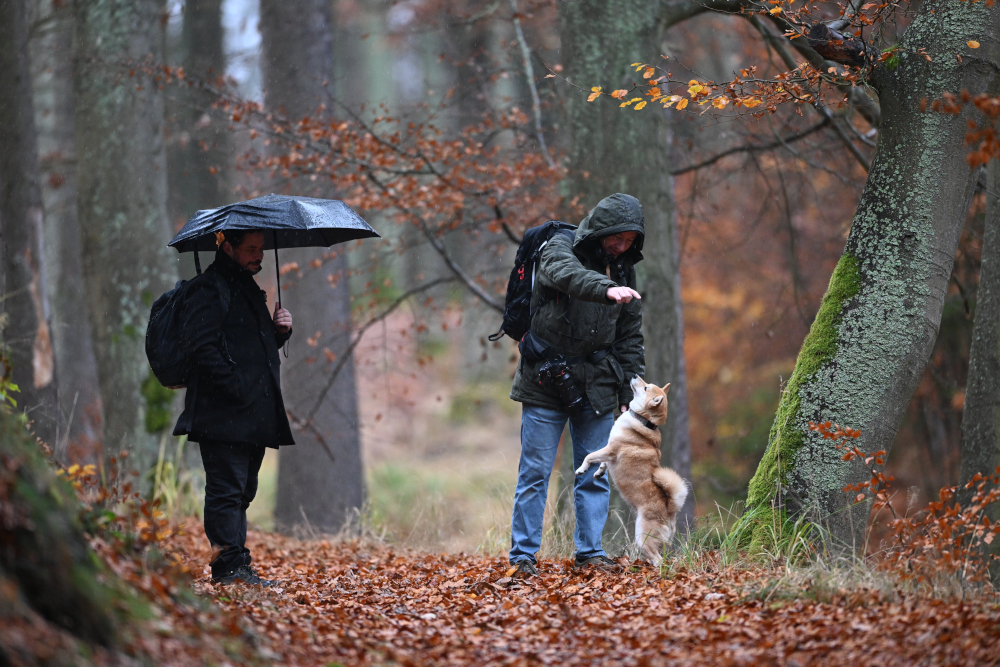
[981, 417]
[51, 51]
[122, 191]
[869, 343]
[878, 321]
[615, 152]
[320, 480]
[26, 328]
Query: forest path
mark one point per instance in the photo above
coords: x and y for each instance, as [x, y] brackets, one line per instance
[351, 603]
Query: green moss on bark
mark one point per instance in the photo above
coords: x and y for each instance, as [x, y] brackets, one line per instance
[787, 436]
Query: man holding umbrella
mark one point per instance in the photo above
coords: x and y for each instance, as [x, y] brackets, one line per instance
[233, 407]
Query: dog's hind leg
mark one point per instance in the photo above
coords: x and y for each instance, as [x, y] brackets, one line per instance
[648, 538]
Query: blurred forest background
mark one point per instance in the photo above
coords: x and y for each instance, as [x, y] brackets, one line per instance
[438, 122]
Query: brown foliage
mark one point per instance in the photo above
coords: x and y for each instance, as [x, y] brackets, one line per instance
[367, 604]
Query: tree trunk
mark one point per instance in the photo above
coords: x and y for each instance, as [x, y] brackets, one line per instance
[313, 490]
[619, 150]
[26, 327]
[980, 427]
[52, 71]
[122, 201]
[878, 321]
[199, 142]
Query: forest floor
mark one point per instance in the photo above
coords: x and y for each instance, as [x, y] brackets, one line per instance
[350, 602]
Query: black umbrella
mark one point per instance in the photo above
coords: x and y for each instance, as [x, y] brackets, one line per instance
[288, 222]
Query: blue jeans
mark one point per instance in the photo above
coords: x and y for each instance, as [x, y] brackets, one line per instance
[541, 429]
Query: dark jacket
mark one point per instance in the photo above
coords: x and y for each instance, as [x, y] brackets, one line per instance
[234, 394]
[572, 314]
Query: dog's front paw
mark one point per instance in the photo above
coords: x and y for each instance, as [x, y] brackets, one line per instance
[582, 469]
[599, 473]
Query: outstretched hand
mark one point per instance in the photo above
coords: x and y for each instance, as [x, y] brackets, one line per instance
[622, 294]
[282, 319]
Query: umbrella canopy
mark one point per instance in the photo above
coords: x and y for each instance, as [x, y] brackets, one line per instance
[289, 222]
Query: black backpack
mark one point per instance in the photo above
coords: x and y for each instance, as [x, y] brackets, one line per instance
[166, 344]
[517, 307]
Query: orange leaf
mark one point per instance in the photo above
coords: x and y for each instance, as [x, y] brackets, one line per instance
[683, 103]
[973, 44]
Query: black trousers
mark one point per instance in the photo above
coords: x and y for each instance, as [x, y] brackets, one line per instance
[231, 470]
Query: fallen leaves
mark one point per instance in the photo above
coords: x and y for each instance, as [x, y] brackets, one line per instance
[369, 604]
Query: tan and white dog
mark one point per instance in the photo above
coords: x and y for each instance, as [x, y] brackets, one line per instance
[633, 454]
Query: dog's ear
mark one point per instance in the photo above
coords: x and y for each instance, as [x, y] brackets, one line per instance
[666, 388]
[656, 401]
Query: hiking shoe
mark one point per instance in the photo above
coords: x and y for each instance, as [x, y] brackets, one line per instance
[244, 574]
[601, 562]
[525, 569]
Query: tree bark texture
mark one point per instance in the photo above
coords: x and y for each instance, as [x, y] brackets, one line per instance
[52, 71]
[619, 150]
[870, 341]
[314, 491]
[199, 142]
[122, 194]
[26, 325]
[980, 428]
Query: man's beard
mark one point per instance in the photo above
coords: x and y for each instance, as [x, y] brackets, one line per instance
[253, 269]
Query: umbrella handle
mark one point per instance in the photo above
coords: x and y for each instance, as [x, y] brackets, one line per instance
[277, 268]
[197, 263]
[277, 275]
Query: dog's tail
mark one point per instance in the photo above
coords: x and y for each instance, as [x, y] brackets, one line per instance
[673, 487]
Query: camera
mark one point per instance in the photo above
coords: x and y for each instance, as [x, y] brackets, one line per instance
[555, 375]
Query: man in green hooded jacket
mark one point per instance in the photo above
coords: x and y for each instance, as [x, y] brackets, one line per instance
[586, 324]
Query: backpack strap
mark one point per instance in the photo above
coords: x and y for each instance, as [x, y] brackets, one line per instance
[545, 294]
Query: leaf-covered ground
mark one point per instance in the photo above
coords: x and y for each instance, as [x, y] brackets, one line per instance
[350, 603]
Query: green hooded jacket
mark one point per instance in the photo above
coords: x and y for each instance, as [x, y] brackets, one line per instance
[571, 312]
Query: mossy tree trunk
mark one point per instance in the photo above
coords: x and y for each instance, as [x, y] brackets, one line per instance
[620, 150]
[44, 556]
[122, 194]
[25, 300]
[312, 490]
[869, 344]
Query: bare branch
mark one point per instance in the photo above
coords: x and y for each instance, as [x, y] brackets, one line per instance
[437, 245]
[751, 148]
[308, 426]
[514, 238]
[349, 350]
[529, 75]
[677, 11]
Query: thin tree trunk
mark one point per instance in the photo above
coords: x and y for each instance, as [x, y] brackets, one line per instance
[122, 193]
[52, 71]
[878, 321]
[619, 150]
[200, 146]
[26, 327]
[981, 417]
[313, 491]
